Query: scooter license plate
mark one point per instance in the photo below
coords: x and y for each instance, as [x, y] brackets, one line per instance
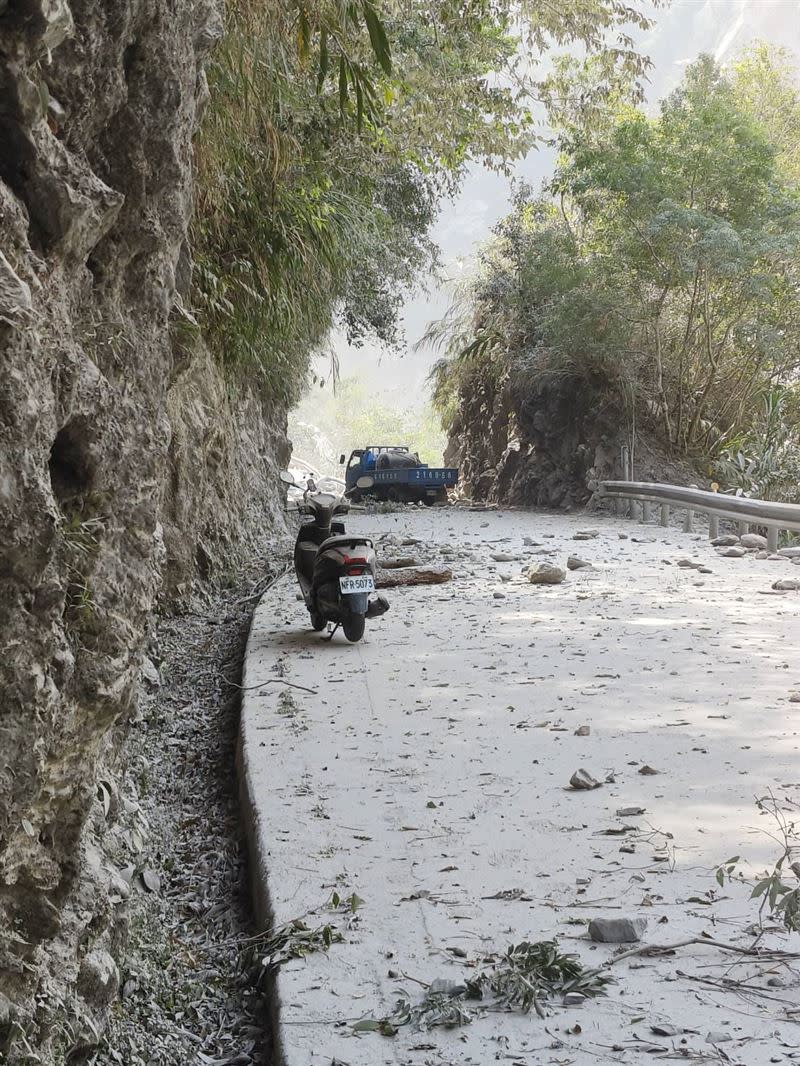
[359, 583]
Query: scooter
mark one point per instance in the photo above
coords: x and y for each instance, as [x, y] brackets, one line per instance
[335, 570]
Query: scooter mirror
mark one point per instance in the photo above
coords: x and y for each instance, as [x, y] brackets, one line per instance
[365, 483]
[286, 477]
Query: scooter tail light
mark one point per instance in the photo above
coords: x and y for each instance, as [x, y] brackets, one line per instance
[353, 561]
[355, 571]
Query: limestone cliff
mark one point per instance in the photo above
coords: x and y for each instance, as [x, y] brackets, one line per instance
[127, 462]
[547, 443]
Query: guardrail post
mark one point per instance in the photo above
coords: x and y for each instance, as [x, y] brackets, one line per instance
[772, 538]
[688, 522]
[713, 526]
[664, 514]
[635, 513]
[744, 527]
[619, 507]
[647, 511]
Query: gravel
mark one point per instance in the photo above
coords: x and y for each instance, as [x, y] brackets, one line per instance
[184, 996]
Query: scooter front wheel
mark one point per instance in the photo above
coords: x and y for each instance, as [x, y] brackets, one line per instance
[318, 623]
[354, 627]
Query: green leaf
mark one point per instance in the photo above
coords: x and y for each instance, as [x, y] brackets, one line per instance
[324, 59]
[355, 902]
[367, 1025]
[359, 104]
[377, 37]
[303, 35]
[342, 84]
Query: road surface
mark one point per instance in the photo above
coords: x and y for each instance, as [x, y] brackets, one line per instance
[428, 771]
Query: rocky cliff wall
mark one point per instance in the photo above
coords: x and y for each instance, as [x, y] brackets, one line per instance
[128, 464]
[549, 444]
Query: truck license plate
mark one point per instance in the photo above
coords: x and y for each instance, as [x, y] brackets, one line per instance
[361, 583]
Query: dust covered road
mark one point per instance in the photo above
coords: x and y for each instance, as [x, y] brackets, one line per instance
[428, 773]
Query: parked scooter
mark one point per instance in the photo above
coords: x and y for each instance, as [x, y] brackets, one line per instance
[335, 570]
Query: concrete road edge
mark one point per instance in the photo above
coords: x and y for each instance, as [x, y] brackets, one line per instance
[257, 856]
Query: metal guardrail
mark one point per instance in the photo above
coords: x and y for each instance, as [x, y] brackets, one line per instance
[775, 516]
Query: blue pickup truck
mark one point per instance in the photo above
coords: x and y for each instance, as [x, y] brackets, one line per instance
[398, 475]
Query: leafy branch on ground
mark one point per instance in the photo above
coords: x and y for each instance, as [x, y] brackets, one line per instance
[525, 976]
[295, 940]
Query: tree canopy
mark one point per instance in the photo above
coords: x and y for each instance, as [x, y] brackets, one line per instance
[334, 128]
[661, 265]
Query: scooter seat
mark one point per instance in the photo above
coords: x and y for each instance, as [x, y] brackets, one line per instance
[348, 540]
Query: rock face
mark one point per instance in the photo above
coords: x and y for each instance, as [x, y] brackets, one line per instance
[124, 464]
[518, 442]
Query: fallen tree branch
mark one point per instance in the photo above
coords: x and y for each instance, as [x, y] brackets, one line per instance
[269, 681]
[662, 949]
[260, 592]
[419, 575]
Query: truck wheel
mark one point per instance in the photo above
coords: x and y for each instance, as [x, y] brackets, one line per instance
[394, 496]
[429, 501]
[354, 627]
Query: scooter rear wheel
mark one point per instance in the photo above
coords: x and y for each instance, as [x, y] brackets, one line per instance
[354, 627]
[318, 623]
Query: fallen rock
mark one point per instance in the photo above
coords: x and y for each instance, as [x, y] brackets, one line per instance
[630, 812]
[617, 930]
[687, 564]
[582, 731]
[762, 554]
[574, 999]
[546, 574]
[648, 771]
[789, 553]
[582, 780]
[98, 979]
[716, 1037]
[586, 534]
[574, 563]
[398, 564]
[734, 552]
[752, 540]
[504, 557]
[787, 584]
[727, 540]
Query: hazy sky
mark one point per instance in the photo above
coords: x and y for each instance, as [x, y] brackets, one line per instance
[680, 33]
